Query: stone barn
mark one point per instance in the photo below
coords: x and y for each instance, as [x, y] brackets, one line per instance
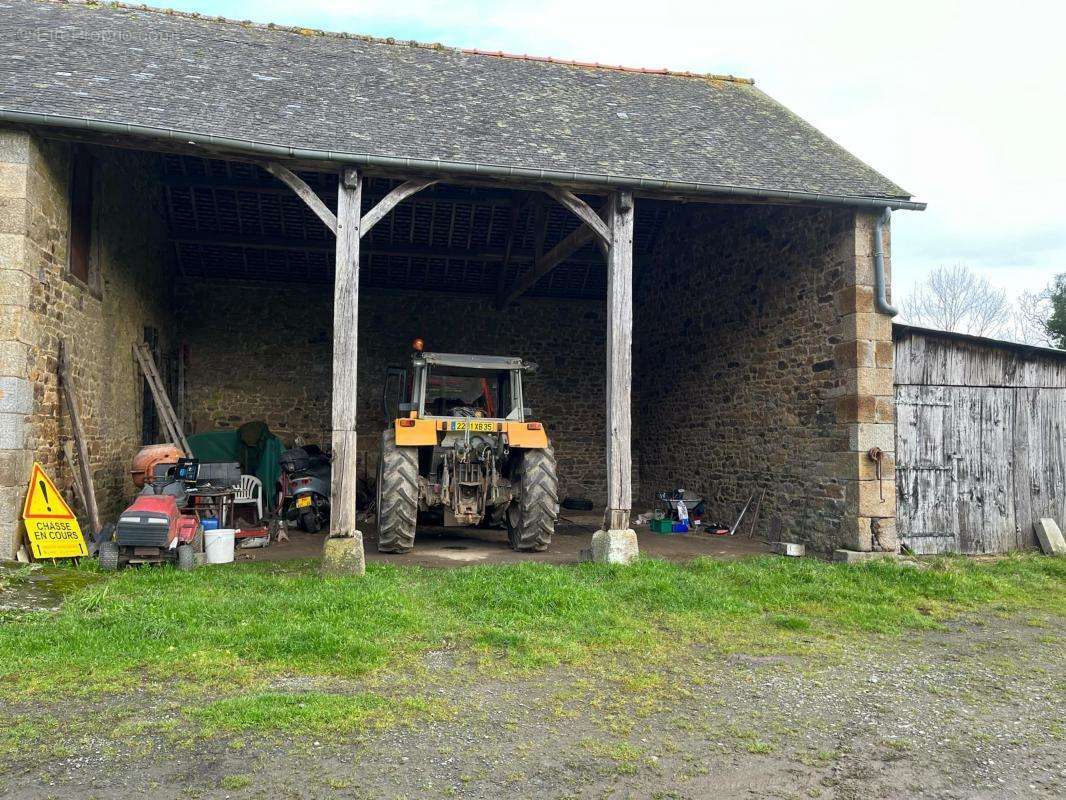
[701, 275]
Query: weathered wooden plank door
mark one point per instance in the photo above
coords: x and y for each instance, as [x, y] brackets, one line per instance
[968, 490]
[1022, 482]
[1046, 413]
[924, 469]
[997, 532]
[976, 466]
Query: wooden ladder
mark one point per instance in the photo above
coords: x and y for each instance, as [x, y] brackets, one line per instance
[171, 425]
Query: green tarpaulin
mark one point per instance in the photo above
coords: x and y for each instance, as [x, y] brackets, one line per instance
[260, 459]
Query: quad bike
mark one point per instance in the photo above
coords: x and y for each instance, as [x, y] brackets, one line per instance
[461, 444]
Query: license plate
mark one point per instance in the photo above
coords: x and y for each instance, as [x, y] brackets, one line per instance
[303, 502]
[472, 425]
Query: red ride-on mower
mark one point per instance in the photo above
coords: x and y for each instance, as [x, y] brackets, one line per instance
[153, 531]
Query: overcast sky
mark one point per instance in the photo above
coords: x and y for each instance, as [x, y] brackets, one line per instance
[961, 103]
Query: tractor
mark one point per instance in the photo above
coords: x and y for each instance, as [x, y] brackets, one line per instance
[461, 446]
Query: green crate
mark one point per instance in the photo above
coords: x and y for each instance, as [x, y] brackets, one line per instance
[662, 526]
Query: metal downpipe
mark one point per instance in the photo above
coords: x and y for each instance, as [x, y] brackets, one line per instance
[880, 289]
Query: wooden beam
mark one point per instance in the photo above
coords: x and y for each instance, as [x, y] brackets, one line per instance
[546, 263]
[393, 199]
[582, 210]
[498, 197]
[71, 402]
[304, 192]
[400, 249]
[75, 472]
[619, 360]
[508, 250]
[342, 522]
[540, 229]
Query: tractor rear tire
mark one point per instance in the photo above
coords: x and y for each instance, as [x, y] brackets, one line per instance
[397, 495]
[531, 518]
[186, 558]
[108, 554]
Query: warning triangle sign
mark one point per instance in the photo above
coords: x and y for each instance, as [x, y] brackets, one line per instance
[43, 500]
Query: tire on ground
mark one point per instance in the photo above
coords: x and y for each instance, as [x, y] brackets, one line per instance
[108, 554]
[309, 522]
[397, 495]
[186, 558]
[531, 521]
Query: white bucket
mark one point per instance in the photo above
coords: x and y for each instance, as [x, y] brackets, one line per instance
[219, 545]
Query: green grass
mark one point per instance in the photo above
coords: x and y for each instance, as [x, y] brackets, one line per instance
[309, 712]
[238, 625]
[233, 782]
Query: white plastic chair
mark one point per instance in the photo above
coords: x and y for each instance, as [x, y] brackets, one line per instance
[250, 491]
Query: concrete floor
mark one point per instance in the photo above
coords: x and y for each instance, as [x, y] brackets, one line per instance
[456, 547]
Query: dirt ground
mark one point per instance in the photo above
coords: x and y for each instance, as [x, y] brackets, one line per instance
[976, 711]
[456, 547]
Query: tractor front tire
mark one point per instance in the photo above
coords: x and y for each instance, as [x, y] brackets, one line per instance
[108, 553]
[186, 558]
[397, 495]
[531, 517]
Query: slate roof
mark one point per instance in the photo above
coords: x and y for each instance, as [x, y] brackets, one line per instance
[355, 95]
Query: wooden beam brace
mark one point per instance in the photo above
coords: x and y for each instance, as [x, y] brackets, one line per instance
[508, 251]
[546, 263]
[342, 521]
[619, 360]
[540, 229]
[582, 210]
[304, 192]
[391, 200]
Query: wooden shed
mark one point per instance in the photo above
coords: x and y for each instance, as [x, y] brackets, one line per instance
[979, 441]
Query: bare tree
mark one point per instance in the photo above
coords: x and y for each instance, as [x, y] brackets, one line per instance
[956, 299]
[1032, 311]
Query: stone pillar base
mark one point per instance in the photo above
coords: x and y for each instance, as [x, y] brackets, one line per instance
[343, 555]
[862, 556]
[614, 547]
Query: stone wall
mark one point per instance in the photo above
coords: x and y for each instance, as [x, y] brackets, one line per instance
[129, 288]
[760, 369]
[263, 351]
[16, 334]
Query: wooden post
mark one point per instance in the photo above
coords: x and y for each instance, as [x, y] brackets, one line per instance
[619, 360]
[343, 552]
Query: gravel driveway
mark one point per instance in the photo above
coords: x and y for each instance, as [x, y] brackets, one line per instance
[976, 711]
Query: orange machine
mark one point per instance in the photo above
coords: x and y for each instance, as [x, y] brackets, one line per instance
[147, 457]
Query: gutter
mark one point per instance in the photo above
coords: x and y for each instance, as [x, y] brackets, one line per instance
[436, 166]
